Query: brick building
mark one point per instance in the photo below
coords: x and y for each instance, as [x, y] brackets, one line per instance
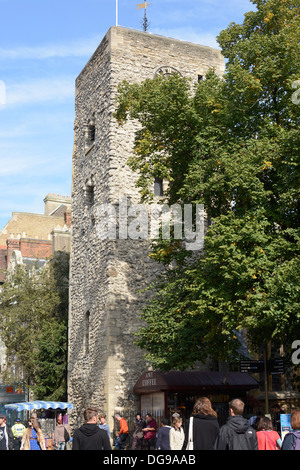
[36, 236]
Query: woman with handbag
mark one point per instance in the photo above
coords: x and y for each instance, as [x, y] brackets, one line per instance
[267, 438]
[61, 436]
[203, 426]
[138, 435]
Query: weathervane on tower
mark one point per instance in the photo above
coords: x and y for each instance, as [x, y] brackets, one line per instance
[145, 21]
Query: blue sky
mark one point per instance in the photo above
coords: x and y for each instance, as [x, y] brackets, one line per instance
[43, 47]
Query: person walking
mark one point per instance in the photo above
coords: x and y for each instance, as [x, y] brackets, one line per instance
[176, 434]
[163, 435]
[150, 432]
[236, 434]
[61, 435]
[89, 436]
[123, 433]
[291, 440]
[6, 435]
[33, 438]
[267, 438]
[138, 435]
[203, 427]
[103, 424]
[18, 430]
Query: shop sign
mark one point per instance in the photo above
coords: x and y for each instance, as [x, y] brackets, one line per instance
[149, 380]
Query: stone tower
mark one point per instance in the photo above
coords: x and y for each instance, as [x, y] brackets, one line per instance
[106, 274]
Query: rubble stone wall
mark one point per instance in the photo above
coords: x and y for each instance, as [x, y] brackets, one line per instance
[106, 275]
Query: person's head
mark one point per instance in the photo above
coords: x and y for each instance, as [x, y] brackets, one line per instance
[118, 417]
[33, 423]
[295, 419]
[276, 408]
[264, 424]
[164, 422]
[102, 418]
[148, 417]
[90, 415]
[203, 406]
[177, 422]
[138, 416]
[236, 407]
[58, 421]
[2, 419]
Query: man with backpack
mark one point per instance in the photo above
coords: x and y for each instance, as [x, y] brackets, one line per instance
[236, 434]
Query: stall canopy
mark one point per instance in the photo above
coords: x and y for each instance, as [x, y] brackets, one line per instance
[193, 381]
[37, 405]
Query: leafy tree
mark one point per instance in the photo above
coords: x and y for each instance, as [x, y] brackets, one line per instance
[232, 144]
[34, 313]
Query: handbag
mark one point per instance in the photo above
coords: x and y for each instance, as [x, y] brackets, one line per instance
[66, 435]
[190, 444]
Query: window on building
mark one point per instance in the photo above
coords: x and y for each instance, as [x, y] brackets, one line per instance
[90, 192]
[90, 133]
[86, 333]
[158, 187]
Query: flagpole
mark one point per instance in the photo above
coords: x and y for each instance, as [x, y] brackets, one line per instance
[116, 12]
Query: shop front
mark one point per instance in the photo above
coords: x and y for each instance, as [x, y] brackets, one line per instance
[11, 394]
[163, 393]
[47, 413]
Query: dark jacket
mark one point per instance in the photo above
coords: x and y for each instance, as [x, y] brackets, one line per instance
[205, 432]
[236, 434]
[90, 437]
[163, 438]
[6, 437]
[138, 429]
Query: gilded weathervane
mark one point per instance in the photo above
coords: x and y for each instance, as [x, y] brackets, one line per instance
[145, 22]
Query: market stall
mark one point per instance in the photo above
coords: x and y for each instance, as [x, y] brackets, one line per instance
[47, 413]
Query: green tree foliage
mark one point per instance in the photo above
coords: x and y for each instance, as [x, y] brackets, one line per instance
[34, 324]
[232, 144]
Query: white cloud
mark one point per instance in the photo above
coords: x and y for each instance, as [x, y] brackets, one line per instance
[79, 48]
[39, 91]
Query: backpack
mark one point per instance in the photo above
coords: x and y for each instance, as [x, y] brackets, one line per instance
[242, 441]
[296, 445]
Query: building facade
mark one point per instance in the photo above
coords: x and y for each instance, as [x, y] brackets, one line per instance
[31, 239]
[107, 274]
[31, 236]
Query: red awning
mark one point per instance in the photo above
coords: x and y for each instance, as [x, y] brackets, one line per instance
[193, 381]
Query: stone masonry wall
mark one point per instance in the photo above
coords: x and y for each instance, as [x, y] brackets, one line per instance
[106, 275]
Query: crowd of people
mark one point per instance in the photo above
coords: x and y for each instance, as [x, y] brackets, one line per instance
[18, 437]
[202, 432]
